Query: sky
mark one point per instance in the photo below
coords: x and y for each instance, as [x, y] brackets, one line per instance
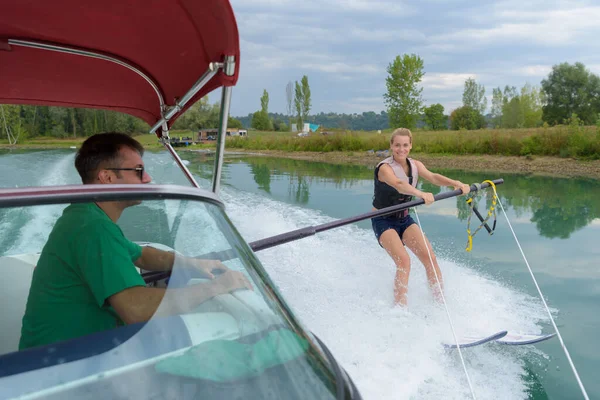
[345, 46]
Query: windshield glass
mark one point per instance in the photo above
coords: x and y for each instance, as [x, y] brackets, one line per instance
[220, 329]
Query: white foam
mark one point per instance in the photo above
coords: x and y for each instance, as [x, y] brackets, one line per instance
[41, 219]
[339, 283]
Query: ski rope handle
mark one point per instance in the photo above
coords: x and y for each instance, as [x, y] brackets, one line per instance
[473, 207]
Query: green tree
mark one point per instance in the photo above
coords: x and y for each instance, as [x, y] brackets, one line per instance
[234, 123]
[261, 121]
[298, 105]
[571, 89]
[512, 111]
[289, 97]
[264, 102]
[306, 104]
[497, 102]
[531, 104]
[434, 117]
[466, 117]
[474, 96]
[403, 97]
[11, 124]
[280, 126]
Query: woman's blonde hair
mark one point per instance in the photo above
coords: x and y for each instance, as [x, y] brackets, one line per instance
[401, 132]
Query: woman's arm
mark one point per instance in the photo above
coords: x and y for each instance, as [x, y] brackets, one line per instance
[441, 180]
[386, 175]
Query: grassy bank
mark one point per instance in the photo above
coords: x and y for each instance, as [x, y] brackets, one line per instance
[560, 141]
[563, 151]
[149, 141]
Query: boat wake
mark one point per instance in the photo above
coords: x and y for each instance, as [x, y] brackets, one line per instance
[339, 283]
[27, 228]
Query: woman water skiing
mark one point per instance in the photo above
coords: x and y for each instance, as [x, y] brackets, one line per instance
[396, 183]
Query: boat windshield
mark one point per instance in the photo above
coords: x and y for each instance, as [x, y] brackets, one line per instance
[243, 343]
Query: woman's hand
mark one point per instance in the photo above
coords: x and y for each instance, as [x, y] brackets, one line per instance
[427, 197]
[462, 186]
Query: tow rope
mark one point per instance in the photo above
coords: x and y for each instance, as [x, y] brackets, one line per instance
[491, 212]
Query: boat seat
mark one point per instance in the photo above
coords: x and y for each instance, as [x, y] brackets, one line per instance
[17, 272]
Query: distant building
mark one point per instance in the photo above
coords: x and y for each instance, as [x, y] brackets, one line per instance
[207, 134]
[212, 133]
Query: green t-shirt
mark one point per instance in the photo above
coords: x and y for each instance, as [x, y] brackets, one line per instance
[85, 260]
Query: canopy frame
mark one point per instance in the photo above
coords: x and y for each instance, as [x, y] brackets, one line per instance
[161, 128]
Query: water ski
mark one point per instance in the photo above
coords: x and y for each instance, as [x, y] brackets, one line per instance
[512, 338]
[503, 337]
[470, 341]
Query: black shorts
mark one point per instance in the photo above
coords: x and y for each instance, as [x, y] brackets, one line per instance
[382, 224]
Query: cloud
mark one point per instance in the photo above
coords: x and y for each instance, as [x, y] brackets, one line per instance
[534, 70]
[446, 81]
[358, 104]
[338, 6]
[345, 46]
[516, 26]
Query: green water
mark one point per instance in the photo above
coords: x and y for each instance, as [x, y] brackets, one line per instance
[557, 222]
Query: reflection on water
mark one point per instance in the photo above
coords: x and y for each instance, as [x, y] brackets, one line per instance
[558, 206]
[261, 196]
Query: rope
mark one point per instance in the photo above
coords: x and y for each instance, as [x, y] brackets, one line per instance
[491, 212]
[462, 360]
[564, 347]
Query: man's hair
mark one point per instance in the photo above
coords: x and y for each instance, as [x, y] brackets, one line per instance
[401, 132]
[101, 151]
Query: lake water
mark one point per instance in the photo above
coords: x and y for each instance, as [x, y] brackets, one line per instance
[339, 282]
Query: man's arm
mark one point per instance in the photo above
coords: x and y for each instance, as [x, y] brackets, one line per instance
[159, 260]
[140, 303]
[155, 260]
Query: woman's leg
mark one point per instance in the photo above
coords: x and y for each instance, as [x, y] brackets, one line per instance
[414, 241]
[391, 242]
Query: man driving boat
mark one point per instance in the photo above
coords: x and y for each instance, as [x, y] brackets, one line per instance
[86, 279]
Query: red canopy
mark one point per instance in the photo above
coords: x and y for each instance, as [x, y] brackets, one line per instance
[171, 41]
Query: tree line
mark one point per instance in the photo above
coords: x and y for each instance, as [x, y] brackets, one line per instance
[366, 121]
[569, 93]
[19, 122]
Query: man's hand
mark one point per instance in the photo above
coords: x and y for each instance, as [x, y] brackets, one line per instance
[462, 186]
[206, 267]
[230, 280]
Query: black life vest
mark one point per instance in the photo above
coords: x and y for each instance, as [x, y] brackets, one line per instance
[386, 195]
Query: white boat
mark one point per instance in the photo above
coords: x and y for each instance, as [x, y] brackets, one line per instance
[151, 60]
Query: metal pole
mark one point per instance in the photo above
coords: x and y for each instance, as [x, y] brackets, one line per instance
[178, 160]
[213, 68]
[91, 54]
[220, 150]
[312, 230]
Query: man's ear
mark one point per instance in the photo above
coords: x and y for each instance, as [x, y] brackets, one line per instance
[105, 176]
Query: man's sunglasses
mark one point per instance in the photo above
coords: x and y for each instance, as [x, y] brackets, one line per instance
[140, 171]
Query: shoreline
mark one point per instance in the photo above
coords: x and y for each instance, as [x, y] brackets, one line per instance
[536, 165]
[533, 165]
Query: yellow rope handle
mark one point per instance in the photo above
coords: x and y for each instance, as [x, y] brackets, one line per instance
[470, 241]
[490, 212]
